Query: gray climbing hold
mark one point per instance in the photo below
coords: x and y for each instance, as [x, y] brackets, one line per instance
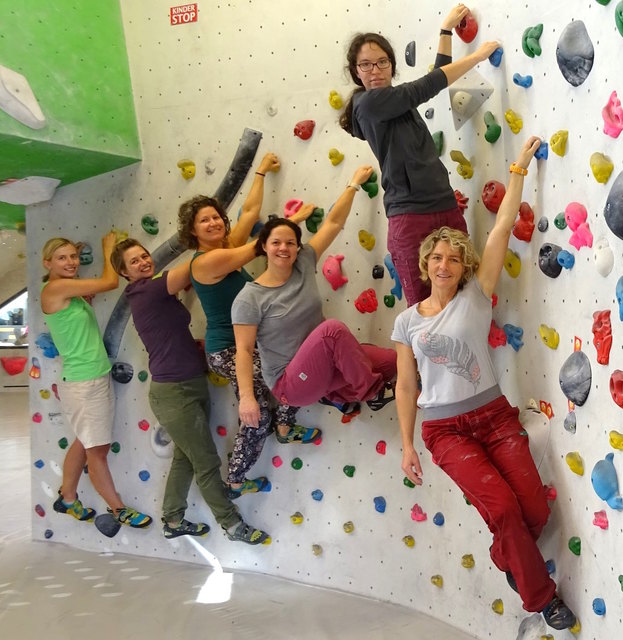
[543, 224]
[161, 442]
[613, 211]
[122, 372]
[575, 53]
[575, 377]
[548, 259]
[107, 525]
[410, 54]
[570, 422]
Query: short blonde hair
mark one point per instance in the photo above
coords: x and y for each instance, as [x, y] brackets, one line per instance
[459, 241]
[50, 248]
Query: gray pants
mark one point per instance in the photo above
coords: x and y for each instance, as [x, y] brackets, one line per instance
[183, 409]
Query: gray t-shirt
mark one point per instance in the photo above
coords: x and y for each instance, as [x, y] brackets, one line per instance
[284, 315]
[451, 348]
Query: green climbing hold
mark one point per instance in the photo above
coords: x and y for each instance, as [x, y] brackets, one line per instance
[604, 2]
[560, 222]
[150, 224]
[371, 186]
[407, 483]
[349, 470]
[115, 447]
[297, 463]
[314, 220]
[621, 581]
[142, 375]
[575, 545]
[389, 300]
[438, 140]
[466, 500]
[530, 41]
[62, 443]
[618, 17]
[494, 130]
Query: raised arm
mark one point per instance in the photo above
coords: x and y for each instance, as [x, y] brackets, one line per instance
[406, 406]
[248, 408]
[453, 19]
[178, 278]
[456, 69]
[57, 293]
[251, 208]
[336, 218]
[497, 243]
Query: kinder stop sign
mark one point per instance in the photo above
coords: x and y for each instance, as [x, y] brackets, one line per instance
[183, 14]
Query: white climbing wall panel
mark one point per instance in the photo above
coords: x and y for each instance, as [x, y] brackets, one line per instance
[266, 66]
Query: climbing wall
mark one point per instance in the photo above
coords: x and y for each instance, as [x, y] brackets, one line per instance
[264, 67]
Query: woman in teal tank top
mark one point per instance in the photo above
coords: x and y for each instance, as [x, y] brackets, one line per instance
[86, 394]
[217, 274]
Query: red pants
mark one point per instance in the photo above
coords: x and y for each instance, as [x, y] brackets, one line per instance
[486, 453]
[331, 363]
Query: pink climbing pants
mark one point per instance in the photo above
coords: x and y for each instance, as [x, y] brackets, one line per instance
[486, 453]
[331, 363]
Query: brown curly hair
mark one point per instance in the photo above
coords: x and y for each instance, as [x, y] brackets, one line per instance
[459, 241]
[186, 219]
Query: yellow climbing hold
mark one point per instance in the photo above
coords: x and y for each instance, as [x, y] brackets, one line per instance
[335, 100]
[575, 462]
[296, 518]
[465, 169]
[616, 440]
[498, 606]
[216, 380]
[601, 166]
[409, 541]
[187, 167]
[558, 142]
[316, 549]
[120, 235]
[268, 540]
[547, 636]
[44, 393]
[366, 240]
[514, 121]
[437, 580]
[348, 527]
[512, 263]
[576, 628]
[549, 336]
[468, 561]
[335, 156]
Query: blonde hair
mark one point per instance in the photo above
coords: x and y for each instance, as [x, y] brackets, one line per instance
[50, 248]
[459, 241]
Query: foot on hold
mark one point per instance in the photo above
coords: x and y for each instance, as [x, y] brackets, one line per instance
[131, 517]
[185, 528]
[347, 408]
[381, 399]
[511, 582]
[74, 509]
[297, 433]
[243, 532]
[249, 486]
[558, 615]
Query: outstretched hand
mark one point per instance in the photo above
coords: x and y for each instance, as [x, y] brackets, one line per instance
[270, 162]
[108, 242]
[454, 18]
[303, 213]
[527, 152]
[362, 174]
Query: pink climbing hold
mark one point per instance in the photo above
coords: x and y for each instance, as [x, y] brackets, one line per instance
[143, 425]
[497, 336]
[221, 430]
[550, 492]
[291, 207]
[575, 215]
[317, 442]
[612, 114]
[417, 514]
[36, 417]
[367, 302]
[582, 237]
[277, 461]
[381, 447]
[304, 129]
[55, 391]
[40, 511]
[332, 271]
[601, 520]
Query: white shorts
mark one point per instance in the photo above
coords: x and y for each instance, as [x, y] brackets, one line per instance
[89, 408]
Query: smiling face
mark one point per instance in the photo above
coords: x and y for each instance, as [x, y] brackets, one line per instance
[138, 264]
[445, 267]
[64, 262]
[375, 78]
[281, 247]
[209, 228]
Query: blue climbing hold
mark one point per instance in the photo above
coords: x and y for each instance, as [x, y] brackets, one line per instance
[522, 81]
[565, 259]
[317, 495]
[380, 504]
[144, 475]
[605, 482]
[496, 57]
[599, 606]
[514, 336]
[39, 463]
[438, 519]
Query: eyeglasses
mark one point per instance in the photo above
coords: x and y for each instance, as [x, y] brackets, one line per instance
[383, 63]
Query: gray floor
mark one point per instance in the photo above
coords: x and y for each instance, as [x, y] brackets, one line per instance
[53, 591]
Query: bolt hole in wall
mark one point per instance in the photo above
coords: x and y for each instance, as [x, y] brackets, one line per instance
[281, 86]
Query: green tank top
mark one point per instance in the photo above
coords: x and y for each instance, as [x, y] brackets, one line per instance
[77, 337]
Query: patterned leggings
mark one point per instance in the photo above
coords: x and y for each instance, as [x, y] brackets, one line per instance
[249, 442]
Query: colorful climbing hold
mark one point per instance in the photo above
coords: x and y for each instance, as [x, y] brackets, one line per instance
[603, 257]
[530, 41]
[575, 462]
[605, 482]
[575, 53]
[497, 337]
[317, 495]
[366, 239]
[37, 417]
[40, 511]
[438, 141]
[512, 263]
[514, 121]
[602, 335]
[496, 57]
[601, 520]
[296, 518]
[558, 142]
[142, 375]
[348, 527]
[150, 224]
[216, 380]
[565, 259]
[291, 207]
[45, 394]
[297, 464]
[464, 169]
[389, 300]
[39, 463]
[599, 606]
[335, 100]
[514, 336]
[143, 425]
[277, 462]
[304, 129]
[313, 222]
[115, 447]
[612, 115]
[35, 369]
[316, 549]
[467, 561]
[187, 169]
[62, 443]
[575, 545]
[461, 200]
[349, 470]
[601, 166]
[492, 195]
[144, 475]
[417, 514]
[437, 580]
[370, 186]
[381, 447]
[366, 301]
[408, 483]
[616, 440]
[522, 81]
[494, 130]
[542, 153]
[409, 541]
[467, 28]
[335, 156]
[559, 221]
[221, 430]
[498, 606]
[380, 504]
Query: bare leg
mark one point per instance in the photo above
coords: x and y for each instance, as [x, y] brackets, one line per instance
[100, 476]
[72, 470]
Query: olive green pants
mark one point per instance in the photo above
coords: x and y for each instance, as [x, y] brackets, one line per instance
[183, 409]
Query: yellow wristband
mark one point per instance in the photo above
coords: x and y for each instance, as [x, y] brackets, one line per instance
[515, 168]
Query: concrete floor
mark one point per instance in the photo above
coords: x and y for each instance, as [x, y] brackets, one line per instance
[52, 591]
